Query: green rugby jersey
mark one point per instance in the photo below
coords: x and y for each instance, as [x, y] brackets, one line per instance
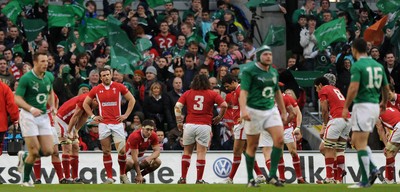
[261, 86]
[35, 91]
[371, 76]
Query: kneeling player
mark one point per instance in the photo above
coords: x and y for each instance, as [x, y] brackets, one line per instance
[137, 143]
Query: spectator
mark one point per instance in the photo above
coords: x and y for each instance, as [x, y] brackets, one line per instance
[5, 75]
[343, 66]
[161, 139]
[307, 9]
[175, 25]
[223, 58]
[138, 118]
[324, 7]
[164, 40]
[180, 49]
[235, 70]
[392, 70]
[156, 106]
[374, 53]
[173, 97]
[301, 143]
[195, 9]
[308, 41]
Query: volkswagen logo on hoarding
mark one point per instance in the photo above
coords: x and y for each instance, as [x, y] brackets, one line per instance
[222, 167]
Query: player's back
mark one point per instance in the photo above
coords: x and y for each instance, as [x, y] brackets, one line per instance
[199, 105]
[371, 76]
[335, 100]
[67, 109]
[390, 117]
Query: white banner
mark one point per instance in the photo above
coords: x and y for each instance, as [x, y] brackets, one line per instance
[218, 166]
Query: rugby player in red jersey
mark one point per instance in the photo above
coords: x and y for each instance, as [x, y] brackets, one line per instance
[199, 102]
[108, 95]
[138, 142]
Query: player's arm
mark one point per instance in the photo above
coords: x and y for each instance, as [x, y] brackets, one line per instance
[291, 113]
[351, 94]
[281, 104]
[136, 165]
[242, 103]
[75, 118]
[178, 113]
[299, 116]
[131, 103]
[156, 152]
[381, 131]
[88, 109]
[223, 106]
[385, 97]
[325, 116]
[24, 105]
[51, 102]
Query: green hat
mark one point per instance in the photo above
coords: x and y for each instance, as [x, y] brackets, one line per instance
[84, 85]
[66, 69]
[62, 44]
[241, 32]
[260, 50]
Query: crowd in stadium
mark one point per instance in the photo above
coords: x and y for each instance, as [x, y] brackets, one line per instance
[179, 45]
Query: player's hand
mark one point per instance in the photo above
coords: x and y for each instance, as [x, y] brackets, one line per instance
[35, 112]
[180, 126]
[382, 106]
[345, 114]
[322, 132]
[122, 118]
[245, 115]
[284, 119]
[97, 118]
[217, 119]
[139, 179]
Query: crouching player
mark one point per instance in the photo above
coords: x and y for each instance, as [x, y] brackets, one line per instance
[390, 120]
[137, 143]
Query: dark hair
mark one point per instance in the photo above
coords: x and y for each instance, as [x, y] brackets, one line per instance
[222, 23]
[148, 122]
[104, 69]
[229, 79]
[189, 55]
[311, 17]
[174, 11]
[200, 82]
[360, 45]
[248, 40]
[90, 2]
[302, 16]
[321, 80]
[36, 55]
[320, 3]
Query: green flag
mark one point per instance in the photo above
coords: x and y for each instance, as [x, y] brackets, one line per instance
[347, 6]
[72, 39]
[388, 6]
[333, 31]
[306, 78]
[78, 10]
[128, 2]
[12, 11]
[143, 44]
[94, 30]
[156, 3]
[18, 49]
[113, 20]
[61, 16]
[33, 27]
[260, 3]
[210, 42]
[276, 36]
[124, 55]
[80, 2]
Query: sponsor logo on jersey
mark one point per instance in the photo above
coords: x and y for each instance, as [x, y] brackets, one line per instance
[222, 167]
[107, 104]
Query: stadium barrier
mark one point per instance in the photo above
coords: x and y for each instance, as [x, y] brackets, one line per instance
[218, 166]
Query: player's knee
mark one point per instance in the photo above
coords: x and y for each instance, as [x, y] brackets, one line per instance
[156, 163]
[106, 151]
[121, 147]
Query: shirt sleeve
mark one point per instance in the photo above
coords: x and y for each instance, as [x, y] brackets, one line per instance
[154, 139]
[23, 83]
[245, 80]
[322, 95]
[355, 74]
[92, 92]
[122, 89]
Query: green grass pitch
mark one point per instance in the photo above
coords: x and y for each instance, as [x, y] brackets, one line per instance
[192, 188]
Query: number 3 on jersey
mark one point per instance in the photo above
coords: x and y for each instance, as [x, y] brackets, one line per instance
[374, 77]
[199, 102]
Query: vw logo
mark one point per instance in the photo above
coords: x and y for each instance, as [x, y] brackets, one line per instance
[222, 167]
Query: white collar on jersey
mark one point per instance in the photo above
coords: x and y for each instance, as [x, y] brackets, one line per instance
[107, 87]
